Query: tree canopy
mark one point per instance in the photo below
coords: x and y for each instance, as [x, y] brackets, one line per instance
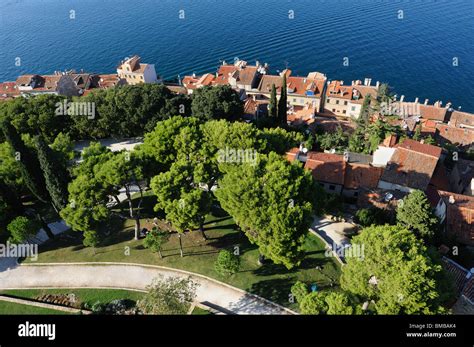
[396, 272]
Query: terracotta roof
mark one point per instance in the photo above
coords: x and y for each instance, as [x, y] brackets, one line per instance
[364, 90]
[292, 154]
[224, 72]
[296, 85]
[460, 215]
[25, 80]
[450, 134]
[9, 89]
[412, 164]
[419, 147]
[326, 167]
[433, 112]
[266, 82]
[361, 175]
[459, 119]
[108, 81]
[335, 89]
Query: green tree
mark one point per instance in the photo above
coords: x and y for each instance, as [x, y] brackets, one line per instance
[396, 272]
[272, 106]
[282, 104]
[299, 291]
[168, 296]
[334, 140]
[20, 229]
[155, 239]
[314, 303]
[272, 203]
[55, 174]
[368, 216]
[338, 303]
[227, 263]
[121, 170]
[216, 102]
[417, 135]
[415, 213]
[91, 239]
[64, 147]
[27, 162]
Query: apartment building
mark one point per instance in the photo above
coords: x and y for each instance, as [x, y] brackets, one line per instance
[135, 72]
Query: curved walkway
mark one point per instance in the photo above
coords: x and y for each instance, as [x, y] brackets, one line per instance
[135, 277]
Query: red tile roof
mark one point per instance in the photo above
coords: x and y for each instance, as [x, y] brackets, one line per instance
[460, 215]
[412, 164]
[326, 167]
[459, 119]
[337, 90]
[450, 134]
[9, 89]
[433, 112]
[361, 175]
[421, 148]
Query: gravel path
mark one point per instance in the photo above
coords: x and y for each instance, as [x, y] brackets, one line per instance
[131, 276]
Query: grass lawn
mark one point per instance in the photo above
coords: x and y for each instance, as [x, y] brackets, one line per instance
[84, 296]
[197, 311]
[9, 308]
[270, 281]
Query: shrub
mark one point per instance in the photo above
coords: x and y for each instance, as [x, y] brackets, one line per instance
[227, 263]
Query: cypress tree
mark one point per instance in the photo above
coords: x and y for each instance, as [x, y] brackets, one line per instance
[29, 165]
[282, 108]
[272, 106]
[55, 174]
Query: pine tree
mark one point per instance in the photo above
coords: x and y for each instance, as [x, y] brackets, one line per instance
[28, 162]
[282, 103]
[272, 106]
[55, 174]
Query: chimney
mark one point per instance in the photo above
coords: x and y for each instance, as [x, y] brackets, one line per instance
[416, 100]
[352, 83]
[369, 81]
[402, 98]
[451, 199]
[377, 84]
[366, 81]
[426, 101]
[342, 83]
[436, 104]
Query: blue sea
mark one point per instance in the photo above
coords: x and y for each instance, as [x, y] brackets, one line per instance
[412, 50]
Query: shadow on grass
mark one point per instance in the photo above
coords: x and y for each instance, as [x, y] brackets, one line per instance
[276, 290]
[218, 220]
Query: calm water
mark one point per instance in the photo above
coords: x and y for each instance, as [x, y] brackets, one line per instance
[414, 54]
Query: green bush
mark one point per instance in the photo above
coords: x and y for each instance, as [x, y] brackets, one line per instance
[227, 263]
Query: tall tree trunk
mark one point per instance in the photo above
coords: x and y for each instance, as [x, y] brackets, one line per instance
[180, 245]
[137, 213]
[137, 226]
[201, 227]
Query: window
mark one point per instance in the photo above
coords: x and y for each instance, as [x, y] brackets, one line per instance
[353, 108]
[294, 99]
[302, 101]
[337, 102]
[328, 100]
[333, 110]
[345, 103]
[331, 187]
[344, 111]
